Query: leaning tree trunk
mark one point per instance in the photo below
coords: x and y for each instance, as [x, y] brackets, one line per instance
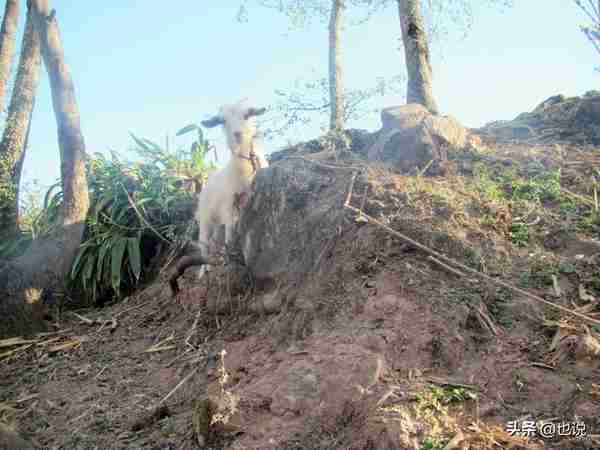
[16, 131]
[8, 37]
[416, 50]
[335, 67]
[76, 201]
[44, 267]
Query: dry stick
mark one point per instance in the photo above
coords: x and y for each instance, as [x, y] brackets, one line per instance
[188, 376]
[589, 201]
[447, 267]
[131, 308]
[456, 263]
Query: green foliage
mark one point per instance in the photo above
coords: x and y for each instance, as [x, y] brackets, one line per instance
[519, 234]
[135, 206]
[487, 184]
[431, 443]
[432, 406]
[37, 218]
[540, 274]
[542, 187]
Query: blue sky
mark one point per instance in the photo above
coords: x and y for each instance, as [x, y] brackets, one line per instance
[145, 67]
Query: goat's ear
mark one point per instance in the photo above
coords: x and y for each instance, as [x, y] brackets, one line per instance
[213, 122]
[255, 112]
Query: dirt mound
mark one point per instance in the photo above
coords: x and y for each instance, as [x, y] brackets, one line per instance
[364, 321]
[559, 119]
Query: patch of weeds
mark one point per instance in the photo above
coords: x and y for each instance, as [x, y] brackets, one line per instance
[473, 258]
[568, 208]
[566, 268]
[589, 223]
[470, 296]
[486, 183]
[519, 234]
[167, 428]
[432, 407]
[524, 279]
[541, 274]
[433, 444]
[544, 186]
[499, 307]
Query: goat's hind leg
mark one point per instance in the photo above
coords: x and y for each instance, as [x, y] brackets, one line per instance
[205, 237]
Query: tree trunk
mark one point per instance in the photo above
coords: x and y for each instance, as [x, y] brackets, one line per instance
[8, 35]
[76, 201]
[16, 131]
[416, 50]
[335, 67]
[44, 267]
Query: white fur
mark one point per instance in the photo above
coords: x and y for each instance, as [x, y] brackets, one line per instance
[216, 200]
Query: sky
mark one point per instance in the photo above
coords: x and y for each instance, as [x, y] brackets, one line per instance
[148, 68]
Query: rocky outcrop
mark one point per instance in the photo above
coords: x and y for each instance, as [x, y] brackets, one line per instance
[294, 212]
[412, 139]
[558, 119]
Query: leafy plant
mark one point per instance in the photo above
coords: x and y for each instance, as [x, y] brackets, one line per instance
[37, 218]
[519, 234]
[136, 207]
[432, 406]
[542, 187]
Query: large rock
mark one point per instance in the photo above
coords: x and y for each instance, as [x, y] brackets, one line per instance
[293, 213]
[412, 138]
[405, 116]
[556, 119]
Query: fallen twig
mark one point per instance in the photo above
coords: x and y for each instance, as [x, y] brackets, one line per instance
[131, 308]
[589, 201]
[101, 372]
[487, 321]
[113, 322]
[10, 342]
[447, 267]
[83, 318]
[159, 346]
[181, 383]
[447, 382]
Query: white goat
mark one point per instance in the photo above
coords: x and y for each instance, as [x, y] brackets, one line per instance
[229, 188]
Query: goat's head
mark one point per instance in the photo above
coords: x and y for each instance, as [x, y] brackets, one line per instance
[238, 123]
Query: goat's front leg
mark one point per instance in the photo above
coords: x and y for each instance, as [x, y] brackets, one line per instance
[228, 233]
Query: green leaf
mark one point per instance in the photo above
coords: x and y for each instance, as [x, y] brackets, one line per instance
[102, 204]
[48, 197]
[135, 259]
[76, 264]
[90, 263]
[153, 145]
[102, 254]
[187, 129]
[116, 262]
[140, 142]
